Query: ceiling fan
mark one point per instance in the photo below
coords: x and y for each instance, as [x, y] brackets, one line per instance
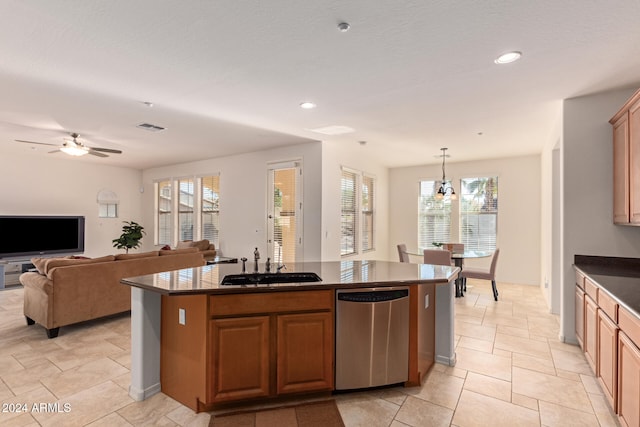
[74, 147]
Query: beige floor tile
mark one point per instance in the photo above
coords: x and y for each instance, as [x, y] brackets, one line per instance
[550, 388]
[544, 365]
[570, 361]
[395, 396]
[591, 384]
[111, 420]
[478, 410]
[556, 415]
[368, 412]
[417, 412]
[484, 363]
[440, 389]
[82, 377]
[87, 406]
[604, 412]
[150, 411]
[21, 420]
[522, 345]
[28, 379]
[487, 333]
[488, 386]
[526, 401]
[510, 330]
[476, 344]
[184, 416]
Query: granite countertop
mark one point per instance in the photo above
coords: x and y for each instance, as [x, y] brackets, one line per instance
[334, 274]
[619, 277]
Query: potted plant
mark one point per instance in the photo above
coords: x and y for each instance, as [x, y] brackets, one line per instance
[132, 233]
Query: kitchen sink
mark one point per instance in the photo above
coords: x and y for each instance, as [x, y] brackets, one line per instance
[269, 278]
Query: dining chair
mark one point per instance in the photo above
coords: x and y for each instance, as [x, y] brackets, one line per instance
[478, 273]
[436, 256]
[402, 253]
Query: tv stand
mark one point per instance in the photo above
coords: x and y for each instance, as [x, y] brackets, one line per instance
[10, 271]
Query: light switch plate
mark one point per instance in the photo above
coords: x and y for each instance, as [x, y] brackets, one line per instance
[182, 316]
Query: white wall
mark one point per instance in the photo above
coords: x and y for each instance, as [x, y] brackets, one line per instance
[587, 167]
[243, 196]
[518, 216]
[58, 185]
[353, 156]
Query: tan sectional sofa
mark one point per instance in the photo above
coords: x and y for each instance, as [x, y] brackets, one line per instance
[66, 291]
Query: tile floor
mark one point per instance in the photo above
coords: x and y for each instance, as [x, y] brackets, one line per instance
[511, 371]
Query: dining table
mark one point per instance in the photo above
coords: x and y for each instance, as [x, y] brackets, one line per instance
[458, 259]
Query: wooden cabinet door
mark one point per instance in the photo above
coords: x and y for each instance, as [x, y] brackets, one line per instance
[240, 357]
[628, 382]
[621, 170]
[590, 332]
[305, 352]
[607, 356]
[634, 162]
[580, 316]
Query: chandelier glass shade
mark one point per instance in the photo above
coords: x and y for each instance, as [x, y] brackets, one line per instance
[446, 189]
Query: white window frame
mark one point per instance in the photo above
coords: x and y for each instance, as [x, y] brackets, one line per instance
[357, 233]
[430, 207]
[196, 210]
[493, 209]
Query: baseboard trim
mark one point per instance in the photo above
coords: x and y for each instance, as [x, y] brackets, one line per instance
[140, 395]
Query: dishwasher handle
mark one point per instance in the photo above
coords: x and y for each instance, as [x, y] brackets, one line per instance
[373, 296]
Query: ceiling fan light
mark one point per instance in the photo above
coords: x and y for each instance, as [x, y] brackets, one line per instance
[74, 150]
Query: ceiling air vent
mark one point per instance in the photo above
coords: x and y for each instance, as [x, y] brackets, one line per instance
[150, 127]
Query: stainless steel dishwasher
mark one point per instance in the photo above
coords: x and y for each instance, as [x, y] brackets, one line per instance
[372, 337]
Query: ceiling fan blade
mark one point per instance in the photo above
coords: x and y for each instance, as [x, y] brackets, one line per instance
[96, 153]
[106, 150]
[54, 151]
[33, 142]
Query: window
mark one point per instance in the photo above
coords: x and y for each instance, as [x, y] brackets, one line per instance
[185, 209]
[349, 213]
[165, 218]
[434, 216]
[357, 212]
[108, 210]
[479, 212]
[196, 202]
[367, 213]
[210, 211]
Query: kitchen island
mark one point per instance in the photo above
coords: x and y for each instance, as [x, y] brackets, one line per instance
[206, 344]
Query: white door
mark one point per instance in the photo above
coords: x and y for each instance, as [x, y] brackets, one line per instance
[284, 216]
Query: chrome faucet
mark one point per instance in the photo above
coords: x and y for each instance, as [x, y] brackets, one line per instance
[244, 260]
[256, 257]
[267, 266]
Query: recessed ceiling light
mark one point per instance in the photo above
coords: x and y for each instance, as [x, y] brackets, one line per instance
[508, 57]
[344, 27]
[307, 105]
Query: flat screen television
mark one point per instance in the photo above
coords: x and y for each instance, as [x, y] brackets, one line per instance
[24, 236]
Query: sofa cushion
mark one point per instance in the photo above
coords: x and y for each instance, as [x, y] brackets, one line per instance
[179, 251]
[65, 262]
[136, 256]
[202, 245]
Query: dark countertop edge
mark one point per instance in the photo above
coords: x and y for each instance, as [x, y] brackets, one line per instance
[603, 287]
[288, 287]
[599, 268]
[608, 266]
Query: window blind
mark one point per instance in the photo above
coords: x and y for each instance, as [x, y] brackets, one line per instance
[210, 208]
[479, 212]
[348, 219]
[367, 205]
[185, 209]
[434, 216]
[165, 217]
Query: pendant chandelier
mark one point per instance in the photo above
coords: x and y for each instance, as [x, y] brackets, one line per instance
[446, 189]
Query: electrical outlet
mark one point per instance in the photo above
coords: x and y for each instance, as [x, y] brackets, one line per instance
[182, 316]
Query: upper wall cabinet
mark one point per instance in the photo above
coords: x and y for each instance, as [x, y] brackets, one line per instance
[626, 162]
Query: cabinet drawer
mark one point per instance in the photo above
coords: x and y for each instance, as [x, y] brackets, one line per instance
[629, 324]
[275, 302]
[591, 288]
[580, 279]
[608, 305]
